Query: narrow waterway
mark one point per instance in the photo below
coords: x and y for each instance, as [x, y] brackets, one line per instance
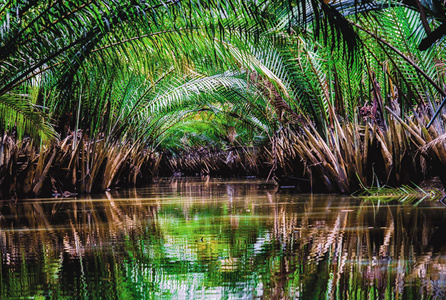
[221, 239]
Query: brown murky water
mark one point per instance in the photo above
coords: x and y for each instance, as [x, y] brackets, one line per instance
[221, 239]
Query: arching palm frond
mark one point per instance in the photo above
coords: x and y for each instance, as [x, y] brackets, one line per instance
[20, 115]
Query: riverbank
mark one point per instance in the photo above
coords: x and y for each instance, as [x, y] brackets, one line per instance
[342, 159]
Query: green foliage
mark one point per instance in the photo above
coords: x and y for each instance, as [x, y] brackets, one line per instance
[178, 75]
[405, 194]
[21, 115]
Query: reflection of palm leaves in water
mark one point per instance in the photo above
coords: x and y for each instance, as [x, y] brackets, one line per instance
[290, 243]
[363, 242]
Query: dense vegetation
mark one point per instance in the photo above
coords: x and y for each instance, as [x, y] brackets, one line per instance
[327, 96]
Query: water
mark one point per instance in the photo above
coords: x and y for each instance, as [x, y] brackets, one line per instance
[215, 239]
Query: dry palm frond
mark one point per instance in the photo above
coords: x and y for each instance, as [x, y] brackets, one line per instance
[437, 142]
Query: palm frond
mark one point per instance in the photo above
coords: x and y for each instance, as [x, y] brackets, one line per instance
[20, 115]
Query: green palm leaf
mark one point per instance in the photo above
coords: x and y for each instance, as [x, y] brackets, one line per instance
[20, 115]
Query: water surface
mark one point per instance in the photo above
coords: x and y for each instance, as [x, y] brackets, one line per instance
[220, 239]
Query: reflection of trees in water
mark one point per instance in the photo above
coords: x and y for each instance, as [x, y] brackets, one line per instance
[235, 234]
[48, 244]
[328, 246]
